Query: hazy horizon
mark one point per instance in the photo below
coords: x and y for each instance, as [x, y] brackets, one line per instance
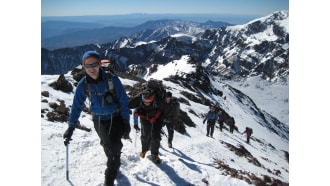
[138, 18]
[104, 7]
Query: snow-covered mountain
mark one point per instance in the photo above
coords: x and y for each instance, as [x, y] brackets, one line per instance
[157, 30]
[259, 47]
[195, 159]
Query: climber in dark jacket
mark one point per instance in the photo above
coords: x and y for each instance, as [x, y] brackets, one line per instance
[211, 117]
[231, 122]
[109, 110]
[222, 117]
[170, 116]
[149, 112]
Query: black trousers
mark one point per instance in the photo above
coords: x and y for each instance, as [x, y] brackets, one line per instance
[221, 125]
[231, 128]
[150, 136]
[170, 131]
[110, 133]
[210, 127]
[247, 139]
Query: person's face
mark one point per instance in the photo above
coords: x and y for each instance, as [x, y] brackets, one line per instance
[92, 67]
[147, 103]
[168, 99]
[212, 109]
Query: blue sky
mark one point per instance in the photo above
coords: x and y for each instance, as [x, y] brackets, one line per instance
[107, 7]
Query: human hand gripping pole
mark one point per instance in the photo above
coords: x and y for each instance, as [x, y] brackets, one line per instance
[67, 135]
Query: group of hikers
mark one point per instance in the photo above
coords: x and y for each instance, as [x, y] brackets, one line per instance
[110, 107]
[213, 116]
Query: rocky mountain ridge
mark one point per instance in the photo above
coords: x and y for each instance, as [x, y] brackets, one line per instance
[260, 47]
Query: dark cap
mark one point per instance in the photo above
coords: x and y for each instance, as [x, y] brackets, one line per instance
[168, 94]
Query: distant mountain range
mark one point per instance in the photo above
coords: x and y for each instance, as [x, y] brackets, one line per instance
[131, 20]
[62, 34]
[259, 47]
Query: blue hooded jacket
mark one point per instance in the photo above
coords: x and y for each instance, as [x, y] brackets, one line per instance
[99, 106]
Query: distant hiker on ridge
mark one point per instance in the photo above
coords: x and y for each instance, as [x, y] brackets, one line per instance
[231, 122]
[248, 132]
[222, 116]
[211, 117]
[109, 111]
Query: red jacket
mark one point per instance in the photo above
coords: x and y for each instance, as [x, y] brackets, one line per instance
[248, 131]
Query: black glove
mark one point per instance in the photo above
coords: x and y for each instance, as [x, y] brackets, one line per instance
[127, 129]
[136, 127]
[67, 135]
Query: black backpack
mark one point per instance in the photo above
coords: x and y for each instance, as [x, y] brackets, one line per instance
[175, 102]
[109, 65]
[157, 88]
[151, 87]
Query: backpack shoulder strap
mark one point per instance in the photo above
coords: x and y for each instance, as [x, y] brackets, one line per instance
[110, 85]
[87, 90]
[110, 82]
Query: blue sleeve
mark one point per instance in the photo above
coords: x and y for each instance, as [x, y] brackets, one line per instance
[136, 118]
[122, 97]
[78, 103]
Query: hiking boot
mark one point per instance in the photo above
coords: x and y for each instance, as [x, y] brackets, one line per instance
[155, 159]
[207, 135]
[143, 154]
[169, 145]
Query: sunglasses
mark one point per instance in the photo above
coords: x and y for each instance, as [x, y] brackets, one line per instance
[92, 65]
